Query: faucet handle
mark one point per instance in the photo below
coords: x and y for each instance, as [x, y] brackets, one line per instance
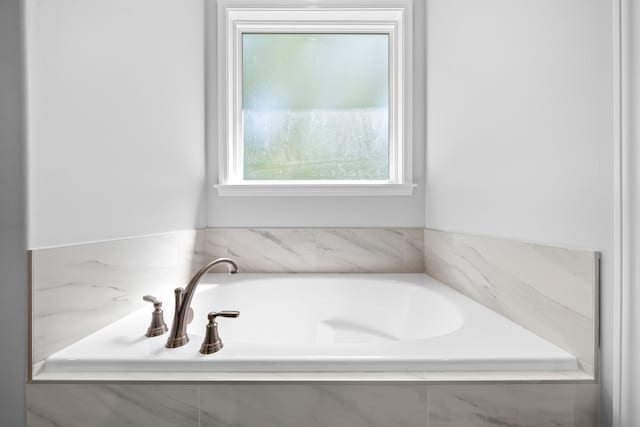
[150, 298]
[212, 342]
[158, 327]
[225, 313]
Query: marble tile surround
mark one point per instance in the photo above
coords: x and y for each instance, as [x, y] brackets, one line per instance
[312, 405]
[551, 291]
[320, 250]
[79, 289]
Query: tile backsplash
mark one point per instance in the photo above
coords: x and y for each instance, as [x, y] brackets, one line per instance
[319, 250]
[79, 289]
[550, 291]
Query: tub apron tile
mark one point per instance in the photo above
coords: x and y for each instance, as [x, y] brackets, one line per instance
[107, 405]
[499, 405]
[312, 405]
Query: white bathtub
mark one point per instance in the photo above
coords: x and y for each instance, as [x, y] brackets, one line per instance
[322, 323]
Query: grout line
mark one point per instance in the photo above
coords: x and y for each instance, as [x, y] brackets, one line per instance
[428, 405]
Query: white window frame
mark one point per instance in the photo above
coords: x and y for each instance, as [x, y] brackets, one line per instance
[236, 17]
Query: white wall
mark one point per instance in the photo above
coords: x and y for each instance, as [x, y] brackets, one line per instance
[13, 257]
[327, 211]
[115, 118]
[520, 127]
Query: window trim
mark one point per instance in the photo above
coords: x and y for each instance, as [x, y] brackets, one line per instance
[235, 17]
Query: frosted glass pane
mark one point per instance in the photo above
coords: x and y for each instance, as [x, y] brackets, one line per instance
[315, 106]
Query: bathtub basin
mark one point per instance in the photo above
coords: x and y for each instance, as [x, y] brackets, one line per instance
[322, 323]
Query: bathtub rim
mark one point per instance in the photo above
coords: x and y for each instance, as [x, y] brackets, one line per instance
[355, 377]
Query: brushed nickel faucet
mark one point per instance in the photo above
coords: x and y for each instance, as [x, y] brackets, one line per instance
[178, 336]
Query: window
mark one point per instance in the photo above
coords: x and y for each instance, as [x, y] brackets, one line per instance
[314, 100]
[315, 106]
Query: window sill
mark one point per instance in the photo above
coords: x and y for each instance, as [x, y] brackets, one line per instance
[315, 190]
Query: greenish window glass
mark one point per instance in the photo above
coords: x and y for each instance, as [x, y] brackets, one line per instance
[315, 106]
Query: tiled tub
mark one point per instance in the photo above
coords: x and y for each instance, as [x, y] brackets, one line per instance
[80, 291]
